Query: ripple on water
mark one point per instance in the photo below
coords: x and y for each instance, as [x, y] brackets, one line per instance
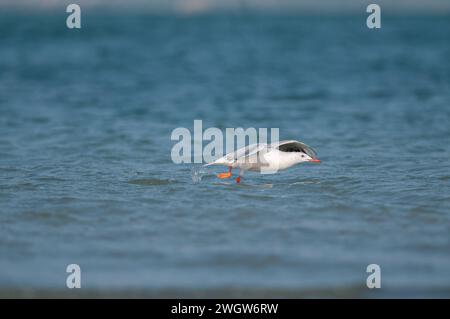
[50, 179]
[305, 182]
[151, 182]
[9, 169]
[55, 217]
[257, 197]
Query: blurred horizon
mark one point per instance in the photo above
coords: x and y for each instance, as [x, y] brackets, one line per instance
[192, 7]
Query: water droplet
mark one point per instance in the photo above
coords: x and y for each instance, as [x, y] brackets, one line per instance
[197, 172]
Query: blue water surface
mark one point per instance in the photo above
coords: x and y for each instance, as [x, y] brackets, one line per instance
[86, 175]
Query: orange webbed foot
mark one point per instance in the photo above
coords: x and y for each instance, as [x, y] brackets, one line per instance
[225, 175]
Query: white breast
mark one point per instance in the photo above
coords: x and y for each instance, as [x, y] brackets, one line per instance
[269, 162]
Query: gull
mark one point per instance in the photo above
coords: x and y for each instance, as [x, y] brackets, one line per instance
[266, 158]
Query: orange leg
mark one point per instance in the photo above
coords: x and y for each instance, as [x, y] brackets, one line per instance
[225, 175]
[238, 179]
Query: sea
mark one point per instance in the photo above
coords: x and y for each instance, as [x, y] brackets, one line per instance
[87, 177]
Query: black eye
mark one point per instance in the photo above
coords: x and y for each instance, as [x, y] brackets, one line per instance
[303, 155]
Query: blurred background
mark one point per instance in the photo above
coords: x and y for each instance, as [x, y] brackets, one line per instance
[86, 175]
[208, 6]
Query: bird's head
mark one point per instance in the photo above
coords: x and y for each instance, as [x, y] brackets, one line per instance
[302, 157]
[298, 152]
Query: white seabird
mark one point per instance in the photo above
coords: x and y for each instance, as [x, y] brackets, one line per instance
[266, 158]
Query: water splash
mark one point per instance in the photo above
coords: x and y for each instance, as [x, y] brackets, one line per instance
[197, 173]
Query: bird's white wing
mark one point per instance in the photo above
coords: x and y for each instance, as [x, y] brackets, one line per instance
[240, 154]
[248, 151]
